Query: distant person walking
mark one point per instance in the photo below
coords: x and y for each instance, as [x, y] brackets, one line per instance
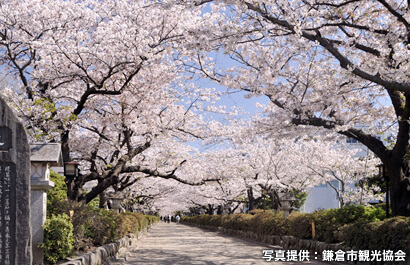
[177, 218]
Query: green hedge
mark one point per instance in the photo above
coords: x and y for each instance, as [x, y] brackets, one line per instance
[267, 223]
[90, 225]
[392, 234]
[357, 226]
[96, 227]
[328, 222]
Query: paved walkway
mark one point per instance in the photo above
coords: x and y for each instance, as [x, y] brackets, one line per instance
[169, 244]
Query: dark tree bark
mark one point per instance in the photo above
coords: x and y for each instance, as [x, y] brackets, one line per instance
[252, 201]
[209, 209]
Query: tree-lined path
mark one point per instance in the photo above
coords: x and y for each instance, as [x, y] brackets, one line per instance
[182, 244]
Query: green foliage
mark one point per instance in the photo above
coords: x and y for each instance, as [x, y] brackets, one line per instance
[300, 225]
[373, 184]
[238, 222]
[132, 223]
[57, 196]
[48, 108]
[96, 227]
[59, 192]
[91, 225]
[265, 204]
[300, 197]
[47, 105]
[328, 224]
[152, 219]
[94, 203]
[58, 238]
[268, 223]
[392, 234]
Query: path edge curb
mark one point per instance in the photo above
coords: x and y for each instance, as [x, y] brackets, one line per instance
[284, 242]
[109, 253]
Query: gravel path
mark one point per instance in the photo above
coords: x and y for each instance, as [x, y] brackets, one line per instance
[167, 244]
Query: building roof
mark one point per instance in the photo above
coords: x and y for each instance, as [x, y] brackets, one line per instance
[47, 153]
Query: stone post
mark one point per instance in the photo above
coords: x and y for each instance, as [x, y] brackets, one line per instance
[116, 203]
[286, 200]
[43, 155]
[15, 227]
[39, 186]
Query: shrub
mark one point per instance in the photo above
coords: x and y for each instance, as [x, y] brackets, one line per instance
[91, 226]
[327, 222]
[268, 223]
[58, 238]
[299, 225]
[238, 222]
[94, 225]
[59, 192]
[99, 226]
[131, 223]
[57, 202]
[392, 234]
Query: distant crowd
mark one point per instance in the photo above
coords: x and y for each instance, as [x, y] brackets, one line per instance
[170, 218]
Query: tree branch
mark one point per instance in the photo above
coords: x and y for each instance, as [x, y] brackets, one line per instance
[345, 63]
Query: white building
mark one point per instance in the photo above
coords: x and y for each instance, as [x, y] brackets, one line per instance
[323, 196]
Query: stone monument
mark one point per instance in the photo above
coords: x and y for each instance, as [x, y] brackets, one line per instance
[15, 228]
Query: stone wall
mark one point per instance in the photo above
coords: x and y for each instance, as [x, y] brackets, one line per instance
[291, 243]
[109, 253]
[285, 242]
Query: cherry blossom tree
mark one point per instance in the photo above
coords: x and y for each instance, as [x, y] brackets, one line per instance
[328, 162]
[105, 79]
[98, 76]
[296, 165]
[255, 168]
[222, 195]
[339, 65]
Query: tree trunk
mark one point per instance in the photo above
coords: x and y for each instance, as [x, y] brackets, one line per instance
[219, 210]
[399, 177]
[72, 195]
[103, 200]
[252, 202]
[209, 209]
[275, 200]
[65, 147]
[70, 190]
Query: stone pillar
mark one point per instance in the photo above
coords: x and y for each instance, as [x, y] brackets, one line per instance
[38, 215]
[42, 156]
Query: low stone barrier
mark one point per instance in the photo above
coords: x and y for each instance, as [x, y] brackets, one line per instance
[285, 242]
[107, 254]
